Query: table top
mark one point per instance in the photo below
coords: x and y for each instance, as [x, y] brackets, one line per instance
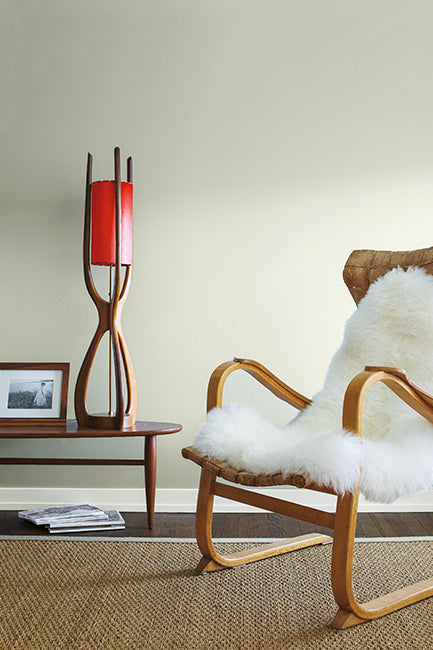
[71, 430]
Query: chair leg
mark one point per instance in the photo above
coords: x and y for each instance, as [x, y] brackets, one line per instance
[350, 612]
[212, 560]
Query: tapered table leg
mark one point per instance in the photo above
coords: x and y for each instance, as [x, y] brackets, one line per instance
[150, 476]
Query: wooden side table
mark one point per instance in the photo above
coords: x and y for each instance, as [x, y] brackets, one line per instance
[148, 430]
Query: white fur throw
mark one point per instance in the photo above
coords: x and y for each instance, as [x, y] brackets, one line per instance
[393, 326]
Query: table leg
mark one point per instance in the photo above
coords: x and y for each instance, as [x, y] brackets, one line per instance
[150, 476]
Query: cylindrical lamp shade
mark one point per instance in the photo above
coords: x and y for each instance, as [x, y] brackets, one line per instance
[103, 250]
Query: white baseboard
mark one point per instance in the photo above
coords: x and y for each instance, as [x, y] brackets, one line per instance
[184, 500]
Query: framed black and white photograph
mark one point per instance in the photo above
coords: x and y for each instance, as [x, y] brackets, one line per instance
[33, 393]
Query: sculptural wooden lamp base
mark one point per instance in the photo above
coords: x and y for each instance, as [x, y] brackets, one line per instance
[108, 242]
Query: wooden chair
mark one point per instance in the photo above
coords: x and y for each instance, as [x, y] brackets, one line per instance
[362, 268]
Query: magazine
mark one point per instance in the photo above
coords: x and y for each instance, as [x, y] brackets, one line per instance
[86, 529]
[83, 512]
[112, 517]
[114, 521]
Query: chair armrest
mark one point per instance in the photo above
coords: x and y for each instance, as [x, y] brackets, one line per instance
[402, 374]
[261, 374]
[395, 379]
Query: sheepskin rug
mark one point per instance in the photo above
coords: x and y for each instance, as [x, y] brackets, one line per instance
[393, 326]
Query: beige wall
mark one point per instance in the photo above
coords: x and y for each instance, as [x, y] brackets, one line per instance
[269, 140]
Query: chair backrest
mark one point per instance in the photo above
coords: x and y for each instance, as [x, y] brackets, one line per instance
[363, 267]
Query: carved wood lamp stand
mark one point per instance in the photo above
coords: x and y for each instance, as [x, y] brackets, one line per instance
[108, 242]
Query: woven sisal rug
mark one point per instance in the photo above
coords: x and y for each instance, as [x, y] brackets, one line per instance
[133, 595]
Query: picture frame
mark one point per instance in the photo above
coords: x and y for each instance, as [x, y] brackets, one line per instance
[33, 394]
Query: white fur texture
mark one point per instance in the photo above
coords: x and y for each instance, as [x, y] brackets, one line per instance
[393, 326]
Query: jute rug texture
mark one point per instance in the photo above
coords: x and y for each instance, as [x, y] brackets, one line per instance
[129, 594]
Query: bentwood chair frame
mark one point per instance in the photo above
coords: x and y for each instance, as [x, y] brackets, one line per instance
[362, 268]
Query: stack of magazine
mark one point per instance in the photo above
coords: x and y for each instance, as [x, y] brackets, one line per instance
[74, 519]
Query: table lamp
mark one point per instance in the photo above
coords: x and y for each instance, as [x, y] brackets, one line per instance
[108, 242]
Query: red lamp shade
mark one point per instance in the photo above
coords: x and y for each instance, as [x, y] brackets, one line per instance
[103, 250]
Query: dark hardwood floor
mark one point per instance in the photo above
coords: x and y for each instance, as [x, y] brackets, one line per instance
[417, 524]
